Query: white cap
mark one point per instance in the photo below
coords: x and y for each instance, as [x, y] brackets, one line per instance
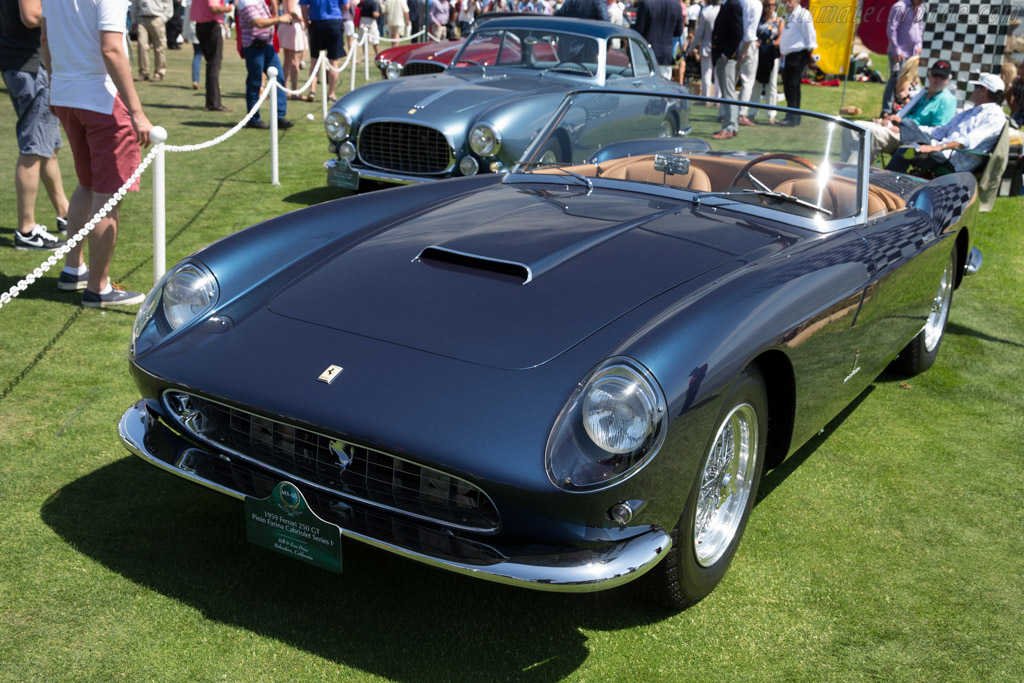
[990, 82]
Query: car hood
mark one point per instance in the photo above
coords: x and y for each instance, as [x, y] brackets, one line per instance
[511, 276]
[465, 90]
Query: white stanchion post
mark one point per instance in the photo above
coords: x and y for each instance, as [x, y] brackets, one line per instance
[366, 58]
[352, 67]
[159, 136]
[272, 84]
[324, 65]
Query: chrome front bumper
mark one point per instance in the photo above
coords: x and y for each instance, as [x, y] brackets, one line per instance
[571, 570]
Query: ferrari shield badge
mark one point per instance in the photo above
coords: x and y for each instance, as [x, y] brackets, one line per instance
[330, 374]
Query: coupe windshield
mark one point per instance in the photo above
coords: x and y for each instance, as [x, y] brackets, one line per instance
[811, 169]
[531, 49]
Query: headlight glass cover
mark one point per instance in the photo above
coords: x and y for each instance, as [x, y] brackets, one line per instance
[337, 124]
[613, 425]
[484, 140]
[183, 294]
[393, 70]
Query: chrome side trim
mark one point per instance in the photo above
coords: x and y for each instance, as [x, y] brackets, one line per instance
[572, 571]
[397, 178]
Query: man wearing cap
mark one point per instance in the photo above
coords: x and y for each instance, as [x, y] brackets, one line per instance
[932, 107]
[977, 128]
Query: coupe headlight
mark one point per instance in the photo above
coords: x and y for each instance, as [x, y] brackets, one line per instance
[337, 124]
[186, 292]
[393, 70]
[612, 426]
[484, 140]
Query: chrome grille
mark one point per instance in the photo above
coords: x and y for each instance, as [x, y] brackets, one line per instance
[343, 468]
[420, 68]
[404, 148]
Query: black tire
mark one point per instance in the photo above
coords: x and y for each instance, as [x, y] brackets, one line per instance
[920, 354]
[671, 122]
[684, 577]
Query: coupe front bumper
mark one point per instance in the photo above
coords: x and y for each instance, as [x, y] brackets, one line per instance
[560, 569]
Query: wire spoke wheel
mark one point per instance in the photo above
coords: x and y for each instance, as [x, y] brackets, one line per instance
[725, 485]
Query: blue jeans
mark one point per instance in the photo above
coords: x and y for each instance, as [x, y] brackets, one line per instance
[197, 61]
[257, 61]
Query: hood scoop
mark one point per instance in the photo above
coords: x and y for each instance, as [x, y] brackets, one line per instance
[505, 270]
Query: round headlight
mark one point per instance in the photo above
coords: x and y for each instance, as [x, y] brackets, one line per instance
[468, 165]
[187, 293]
[337, 124]
[484, 140]
[613, 424]
[393, 70]
[619, 410]
[347, 151]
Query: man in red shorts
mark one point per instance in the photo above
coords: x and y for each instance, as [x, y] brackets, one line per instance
[92, 93]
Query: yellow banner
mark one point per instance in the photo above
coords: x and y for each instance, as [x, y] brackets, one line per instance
[834, 22]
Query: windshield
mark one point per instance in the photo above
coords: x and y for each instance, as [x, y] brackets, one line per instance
[531, 49]
[810, 170]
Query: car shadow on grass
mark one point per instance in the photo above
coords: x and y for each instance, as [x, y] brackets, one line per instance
[384, 615]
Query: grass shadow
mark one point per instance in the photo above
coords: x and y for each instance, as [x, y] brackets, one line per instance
[384, 615]
[775, 477]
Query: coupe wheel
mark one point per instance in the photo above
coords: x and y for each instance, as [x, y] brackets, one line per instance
[709, 530]
[668, 128]
[921, 352]
[552, 153]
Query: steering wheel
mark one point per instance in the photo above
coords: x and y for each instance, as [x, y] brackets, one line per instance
[745, 174]
[579, 67]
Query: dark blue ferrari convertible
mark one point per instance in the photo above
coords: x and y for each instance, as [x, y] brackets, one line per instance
[566, 377]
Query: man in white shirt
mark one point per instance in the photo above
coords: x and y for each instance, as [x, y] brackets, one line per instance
[701, 47]
[749, 56]
[92, 93]
[977, 128]
[797, 41]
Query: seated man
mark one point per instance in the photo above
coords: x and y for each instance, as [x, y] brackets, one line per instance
[977, 129]
[932, 107]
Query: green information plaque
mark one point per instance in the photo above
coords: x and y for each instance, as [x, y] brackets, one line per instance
[284, 522]
[343, 176]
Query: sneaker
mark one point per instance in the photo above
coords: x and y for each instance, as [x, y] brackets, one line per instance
[62, 226]
[38, 239]
[258, 124]
[283, 123]
[70, 283]
[115, 297]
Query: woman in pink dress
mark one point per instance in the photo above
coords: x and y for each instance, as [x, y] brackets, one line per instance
[293, 41]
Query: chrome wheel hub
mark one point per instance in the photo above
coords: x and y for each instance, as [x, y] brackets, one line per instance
[936, 323]
[725, 485]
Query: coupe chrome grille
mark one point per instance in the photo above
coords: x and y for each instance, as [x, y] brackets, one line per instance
[404, 148]
[419, 68]
[348, 470]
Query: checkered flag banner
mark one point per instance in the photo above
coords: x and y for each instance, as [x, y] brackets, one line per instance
[970, 34]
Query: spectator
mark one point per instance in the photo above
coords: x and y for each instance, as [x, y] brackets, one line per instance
[468, 9]
[1015, 96]
[726, 41]
[28, 86]
[797, 41]
[418, 18]
[904, 30]
[906, 84]
[149, 21]
[767, 77]
[175, 25]
[977, 128]
[659, 21]
[397, 14]
[369, 13]
[293, 42]
[188, 32]
[526, 7]
[440, 12]
[584, 9]
[209, 18]
[928, 108]
[748, 56]
[256, 33]
[615, 14]
[324, 20]
[701, 47]
[92, 93]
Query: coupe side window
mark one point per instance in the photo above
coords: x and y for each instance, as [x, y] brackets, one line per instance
[619, 63]
[641, 59]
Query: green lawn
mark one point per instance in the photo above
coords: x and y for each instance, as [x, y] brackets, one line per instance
[891, 547]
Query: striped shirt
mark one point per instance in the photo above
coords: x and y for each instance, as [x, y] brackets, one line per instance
[247, 11]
